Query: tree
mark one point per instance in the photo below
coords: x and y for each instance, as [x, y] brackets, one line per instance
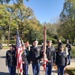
[4, 1]
[16, 1]
[67, 19]
[23, 17]
[19, 15]
[6, 22]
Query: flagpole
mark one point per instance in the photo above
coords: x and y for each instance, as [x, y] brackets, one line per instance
[44, 48]
[18, 68]
[45, 42]
[18, 71]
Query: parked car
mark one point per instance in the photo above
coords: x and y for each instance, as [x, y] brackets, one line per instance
[1, 46]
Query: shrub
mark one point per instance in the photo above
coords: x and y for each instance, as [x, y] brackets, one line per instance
[73, 52]
[12, 41]
[6, 41]
[53, 40]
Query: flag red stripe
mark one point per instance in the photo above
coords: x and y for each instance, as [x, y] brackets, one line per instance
[19, 53]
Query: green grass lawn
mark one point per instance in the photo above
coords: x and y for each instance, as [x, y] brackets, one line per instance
[71, 71]
[73, 52]
[6, 47]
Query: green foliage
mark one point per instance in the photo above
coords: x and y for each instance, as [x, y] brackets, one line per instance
[70, 71]
[54, 41]
[12, 41]
[19, 15]
[51, 29]
[4, 1]
[73, 52]
[23, 17]
[16, 1]
[6, 41]
[67, 18]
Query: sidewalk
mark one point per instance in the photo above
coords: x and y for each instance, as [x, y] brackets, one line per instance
[72, 65]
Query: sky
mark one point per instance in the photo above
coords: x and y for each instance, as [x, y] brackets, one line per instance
[46, 10]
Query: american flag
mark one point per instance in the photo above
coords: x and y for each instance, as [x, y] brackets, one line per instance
[19, 52]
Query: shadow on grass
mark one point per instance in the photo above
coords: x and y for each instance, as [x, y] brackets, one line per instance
[70, 71]
[4, 73]
[2, 56]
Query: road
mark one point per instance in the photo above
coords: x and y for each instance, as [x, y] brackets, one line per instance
[4, 69]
